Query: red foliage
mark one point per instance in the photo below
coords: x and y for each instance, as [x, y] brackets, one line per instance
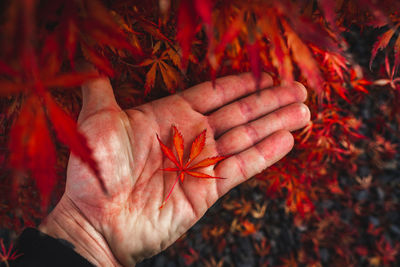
[187, 168]
[155, 47]
[7, 254]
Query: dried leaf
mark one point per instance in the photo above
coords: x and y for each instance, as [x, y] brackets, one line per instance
[169, 75]
[150, 79]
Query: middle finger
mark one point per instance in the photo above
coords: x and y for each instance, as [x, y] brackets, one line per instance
[254, 106]
[290, 118]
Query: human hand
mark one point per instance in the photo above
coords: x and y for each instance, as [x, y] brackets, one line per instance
[126, 225]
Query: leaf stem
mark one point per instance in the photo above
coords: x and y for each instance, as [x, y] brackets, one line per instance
[169, 194]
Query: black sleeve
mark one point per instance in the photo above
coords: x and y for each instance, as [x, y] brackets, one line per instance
[39, 249]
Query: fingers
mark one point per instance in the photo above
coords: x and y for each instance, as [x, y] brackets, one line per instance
[204, 98]
[97, 95]
[248, 163]
[254, 106]
[290, 118]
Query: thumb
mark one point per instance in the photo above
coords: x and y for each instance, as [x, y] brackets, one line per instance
[97, 94]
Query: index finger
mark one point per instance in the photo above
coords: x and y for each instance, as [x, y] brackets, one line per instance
[204, 97]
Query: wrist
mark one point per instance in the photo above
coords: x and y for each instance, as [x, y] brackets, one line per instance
[68, 223]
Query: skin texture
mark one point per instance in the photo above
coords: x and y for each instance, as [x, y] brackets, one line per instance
[126, 225]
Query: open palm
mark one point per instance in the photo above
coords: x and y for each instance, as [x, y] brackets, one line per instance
[253, 127]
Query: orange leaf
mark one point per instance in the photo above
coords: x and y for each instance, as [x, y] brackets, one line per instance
[279, 52]
[152, 29]
[208, 162]
[230, 34]
[170, 76]
[202, 175]
[304, 59]
[197, 146]
[178, 142]
[150, 79]
[181, 176]
[168, 152]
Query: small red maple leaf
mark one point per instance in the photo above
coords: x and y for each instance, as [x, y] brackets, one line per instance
[181, 168]
[7, 254]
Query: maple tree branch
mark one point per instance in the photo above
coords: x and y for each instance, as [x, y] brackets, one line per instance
[68, 223]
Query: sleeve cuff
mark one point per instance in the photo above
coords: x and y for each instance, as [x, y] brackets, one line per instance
[39, 249]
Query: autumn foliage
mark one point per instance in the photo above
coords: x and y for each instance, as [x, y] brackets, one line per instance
[187, 168]
[154, 48]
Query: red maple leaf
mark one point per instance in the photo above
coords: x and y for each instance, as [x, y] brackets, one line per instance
[181, 168]
[7, 254]
[189, 13]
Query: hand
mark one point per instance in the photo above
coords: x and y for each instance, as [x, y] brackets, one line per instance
[127, 225]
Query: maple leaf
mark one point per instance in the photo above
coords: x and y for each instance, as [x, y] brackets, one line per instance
[169, 74]
[30, 133]
[92, 27]
[387, 251]
[6, 255]
[382, 42]
[29, 136]
[304, 59]
[279, 52]
[187, 168]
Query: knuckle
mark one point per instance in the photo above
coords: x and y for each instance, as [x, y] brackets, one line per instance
[303, 111]
[301, 90]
